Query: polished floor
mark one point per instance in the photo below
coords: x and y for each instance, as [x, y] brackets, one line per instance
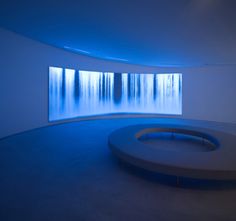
[67, 172]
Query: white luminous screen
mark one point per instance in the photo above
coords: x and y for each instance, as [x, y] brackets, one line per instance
[75, 93]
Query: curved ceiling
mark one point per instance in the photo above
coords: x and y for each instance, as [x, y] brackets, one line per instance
[148, 32]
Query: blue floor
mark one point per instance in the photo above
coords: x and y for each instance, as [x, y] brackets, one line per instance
[67, 172]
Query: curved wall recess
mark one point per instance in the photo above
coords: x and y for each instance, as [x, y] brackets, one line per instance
[207, 91]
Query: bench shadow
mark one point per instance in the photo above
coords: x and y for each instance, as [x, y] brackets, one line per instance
[170, 180]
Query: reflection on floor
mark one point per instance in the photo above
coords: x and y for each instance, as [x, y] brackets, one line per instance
[67, 172]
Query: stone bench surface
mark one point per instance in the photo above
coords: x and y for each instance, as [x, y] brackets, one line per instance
[219, 164]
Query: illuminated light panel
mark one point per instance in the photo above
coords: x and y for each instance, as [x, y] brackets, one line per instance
[84, 93]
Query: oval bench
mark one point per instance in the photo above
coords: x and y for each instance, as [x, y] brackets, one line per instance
[218, 164]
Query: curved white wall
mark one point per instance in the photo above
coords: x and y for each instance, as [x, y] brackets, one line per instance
[208, 92]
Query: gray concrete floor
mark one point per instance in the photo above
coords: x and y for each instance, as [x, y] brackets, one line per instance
[67, 172]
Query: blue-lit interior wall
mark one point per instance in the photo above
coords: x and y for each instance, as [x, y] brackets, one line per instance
[75, 93]
[208, 92]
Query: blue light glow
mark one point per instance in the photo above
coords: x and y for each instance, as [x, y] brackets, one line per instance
[83, 93]
[116, 59]
[77, 50]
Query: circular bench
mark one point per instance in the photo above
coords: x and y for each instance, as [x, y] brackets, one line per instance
[219, 163]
